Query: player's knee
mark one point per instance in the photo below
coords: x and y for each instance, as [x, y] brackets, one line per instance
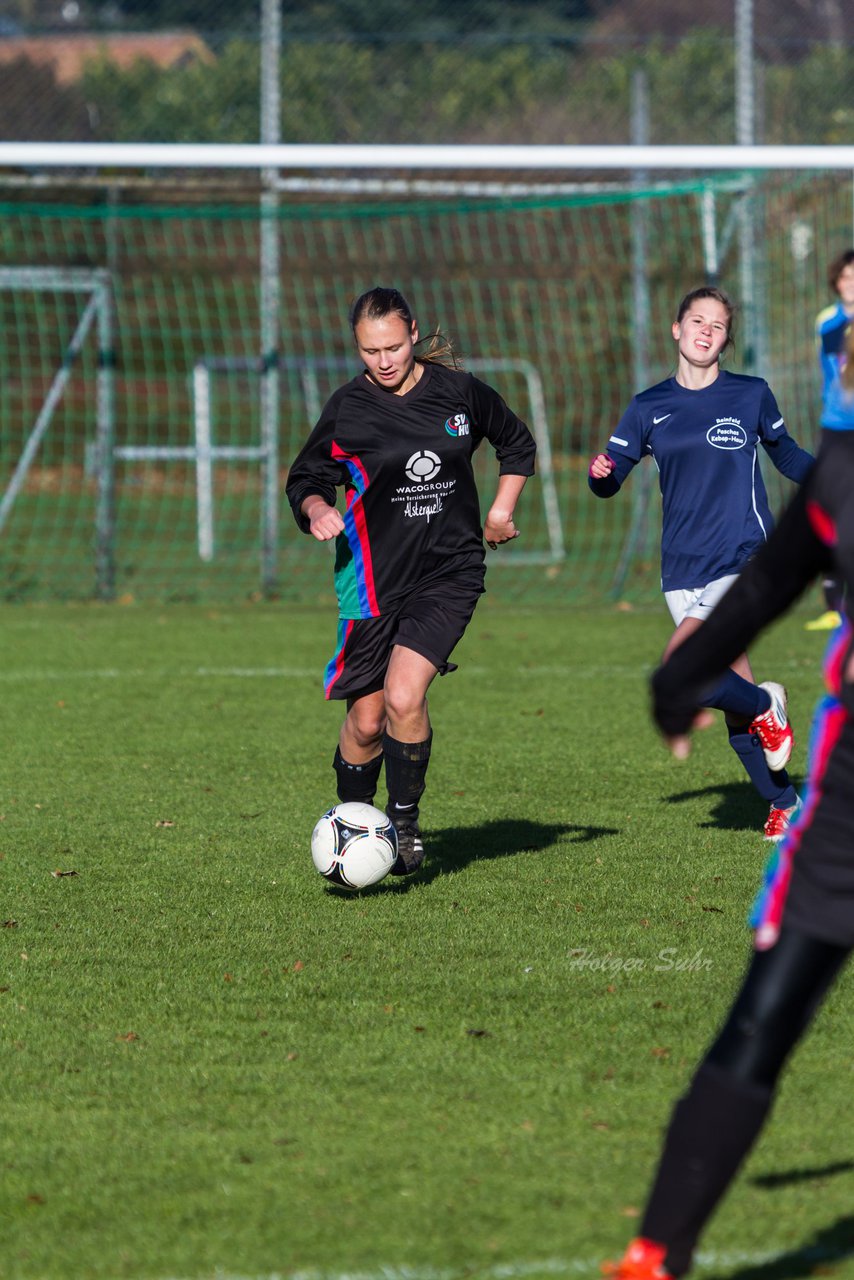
[402, 701]
[366, 726]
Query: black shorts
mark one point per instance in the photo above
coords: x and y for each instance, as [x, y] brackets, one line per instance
[431, 621]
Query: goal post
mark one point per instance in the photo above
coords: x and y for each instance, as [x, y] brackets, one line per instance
[95, 286]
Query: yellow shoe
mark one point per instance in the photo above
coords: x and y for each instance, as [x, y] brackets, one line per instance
[828, 621]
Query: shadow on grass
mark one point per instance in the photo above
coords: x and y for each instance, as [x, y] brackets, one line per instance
[738, 806]
[452, 848]
[829, 1246]
[770, 1181]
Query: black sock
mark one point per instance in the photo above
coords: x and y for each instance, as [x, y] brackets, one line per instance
[357, 781]
[405, 773]
[711, 1131]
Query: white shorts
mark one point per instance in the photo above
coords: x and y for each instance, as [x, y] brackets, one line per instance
[697, 602]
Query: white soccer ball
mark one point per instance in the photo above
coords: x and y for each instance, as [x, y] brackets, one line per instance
[354, 845]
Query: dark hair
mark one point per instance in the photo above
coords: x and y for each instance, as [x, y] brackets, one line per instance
[710, 291]
[379, 302]
[837, 266]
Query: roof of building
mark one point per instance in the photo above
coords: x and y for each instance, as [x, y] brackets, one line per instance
[69, 53]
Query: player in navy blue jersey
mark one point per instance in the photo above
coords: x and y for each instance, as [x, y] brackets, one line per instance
[702, 428]
[804, 915]
[399, 439]
[830, 329]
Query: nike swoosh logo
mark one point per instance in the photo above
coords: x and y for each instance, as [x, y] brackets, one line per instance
[656, 421]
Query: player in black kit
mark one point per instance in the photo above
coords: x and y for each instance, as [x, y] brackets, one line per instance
[410, 562]
[804, 915]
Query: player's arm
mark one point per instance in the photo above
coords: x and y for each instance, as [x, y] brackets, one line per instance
[787, 456]
[499, 526]
[608, 470]
[510, 437]
[313, 480]
[323, 519]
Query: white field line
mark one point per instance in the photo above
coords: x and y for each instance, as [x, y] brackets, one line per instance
[32, 675]
[560, 671]
[705, 1260]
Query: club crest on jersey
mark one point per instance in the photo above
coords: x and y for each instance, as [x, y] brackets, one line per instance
[727, 433]
[458, 425]
[423, 466]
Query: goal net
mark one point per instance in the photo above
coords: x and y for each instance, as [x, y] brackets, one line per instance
[159, 470]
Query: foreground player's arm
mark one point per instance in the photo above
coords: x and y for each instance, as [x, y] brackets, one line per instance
[770, 583]
[499, 526]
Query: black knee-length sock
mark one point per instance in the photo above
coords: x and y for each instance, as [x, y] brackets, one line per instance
[357, 781]
[406, 773]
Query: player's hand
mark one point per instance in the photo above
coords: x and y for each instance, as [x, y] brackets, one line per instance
[601, 467]
[499, 528]
[679, 747]
[324, 522]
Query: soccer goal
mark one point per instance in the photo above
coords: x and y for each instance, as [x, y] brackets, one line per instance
[555, 271]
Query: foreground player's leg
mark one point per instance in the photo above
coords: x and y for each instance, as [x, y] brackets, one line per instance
[714, 1126]
[407, 744]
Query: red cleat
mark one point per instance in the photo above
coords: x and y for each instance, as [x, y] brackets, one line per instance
[643, 1260]
[772, 728]
[778, 822]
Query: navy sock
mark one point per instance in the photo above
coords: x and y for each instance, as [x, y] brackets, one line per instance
[357, 781]
[773, 787]
[737, 696]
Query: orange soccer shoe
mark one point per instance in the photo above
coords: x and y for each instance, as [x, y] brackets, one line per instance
[643, 1260]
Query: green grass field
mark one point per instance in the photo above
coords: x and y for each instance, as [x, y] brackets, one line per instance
[214, 1065]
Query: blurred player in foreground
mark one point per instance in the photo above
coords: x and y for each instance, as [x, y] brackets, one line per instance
[702, 427]
[831, 327]
[804, 915]
[409, 565]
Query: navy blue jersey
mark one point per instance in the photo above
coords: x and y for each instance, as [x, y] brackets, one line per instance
[715, 511]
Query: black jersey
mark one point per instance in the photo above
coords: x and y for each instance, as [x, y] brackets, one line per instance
[405, 461]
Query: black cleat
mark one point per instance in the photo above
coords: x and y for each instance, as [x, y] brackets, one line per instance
[410, 846]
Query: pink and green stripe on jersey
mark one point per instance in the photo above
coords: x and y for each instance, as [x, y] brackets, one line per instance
[354, 569]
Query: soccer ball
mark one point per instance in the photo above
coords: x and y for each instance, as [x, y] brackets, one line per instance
[354, 845]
